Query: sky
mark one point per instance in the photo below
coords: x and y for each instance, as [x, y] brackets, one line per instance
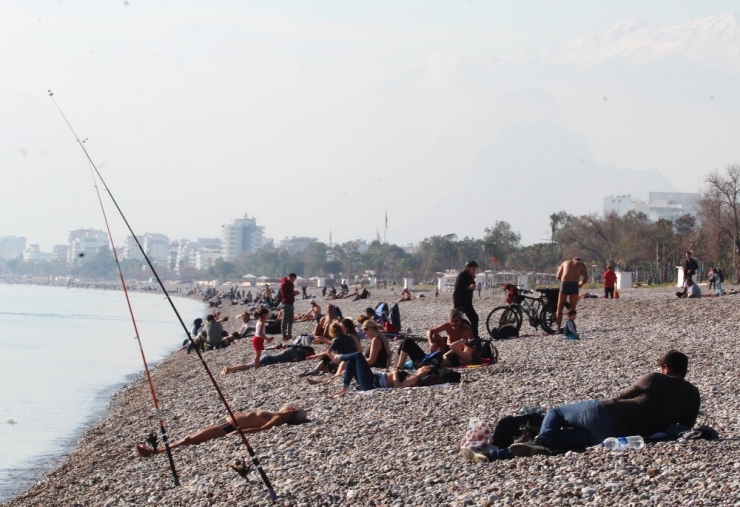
[197, 113]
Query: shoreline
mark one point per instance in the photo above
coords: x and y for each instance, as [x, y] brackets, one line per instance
[400, 447]
[26, 474]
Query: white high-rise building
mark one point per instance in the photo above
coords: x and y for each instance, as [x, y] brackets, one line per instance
[157, 247]
[87, 242]
[12, 247]
[243, 235]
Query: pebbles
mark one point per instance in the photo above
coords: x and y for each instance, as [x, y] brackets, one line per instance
[401, 447]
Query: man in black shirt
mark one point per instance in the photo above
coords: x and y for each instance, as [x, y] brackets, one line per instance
[655, 402]
[462, 297]
[690, 266]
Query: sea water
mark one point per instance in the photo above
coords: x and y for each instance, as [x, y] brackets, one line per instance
[63, 353]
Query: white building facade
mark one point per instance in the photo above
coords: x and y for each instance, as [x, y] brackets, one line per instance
[241, 236]
[87, 242]
[12, 247]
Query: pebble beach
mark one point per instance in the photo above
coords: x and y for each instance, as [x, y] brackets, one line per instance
[401, 447]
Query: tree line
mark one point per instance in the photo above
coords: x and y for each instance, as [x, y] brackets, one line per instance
[632, 242]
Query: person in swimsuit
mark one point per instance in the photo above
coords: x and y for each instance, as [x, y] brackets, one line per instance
[456, 329]
[357, 368]
[259, 338]
[378, 354]
[249, 422]
[572, 275]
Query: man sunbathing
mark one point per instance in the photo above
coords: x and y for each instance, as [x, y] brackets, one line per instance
[249, 422]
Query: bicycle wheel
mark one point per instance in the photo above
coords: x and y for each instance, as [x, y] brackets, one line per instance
[547, 320]
[536, 317]
[503, 316]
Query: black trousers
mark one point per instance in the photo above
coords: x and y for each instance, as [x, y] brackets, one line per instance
[469, 312]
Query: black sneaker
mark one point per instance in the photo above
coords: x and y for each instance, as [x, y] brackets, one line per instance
[532, 448]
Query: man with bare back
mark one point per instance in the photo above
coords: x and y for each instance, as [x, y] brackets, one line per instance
[249, 422]
[572, 275]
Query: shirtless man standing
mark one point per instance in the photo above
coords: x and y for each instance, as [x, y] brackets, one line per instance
[457, 329]
[249, 422]
[569, 275]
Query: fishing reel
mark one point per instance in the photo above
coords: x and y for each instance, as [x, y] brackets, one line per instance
[241, 468]
[152, 440]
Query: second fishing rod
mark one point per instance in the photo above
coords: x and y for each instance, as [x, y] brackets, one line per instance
[242, 435]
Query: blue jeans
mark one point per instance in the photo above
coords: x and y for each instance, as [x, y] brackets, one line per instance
[576, 426]
[358, 368]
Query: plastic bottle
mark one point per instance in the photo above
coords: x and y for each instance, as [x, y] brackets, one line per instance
[613, 444]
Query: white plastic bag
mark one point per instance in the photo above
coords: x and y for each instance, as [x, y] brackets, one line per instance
[478, 436]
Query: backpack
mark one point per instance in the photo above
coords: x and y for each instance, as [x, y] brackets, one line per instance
[504, 332]
[395, 317]
[488, 351]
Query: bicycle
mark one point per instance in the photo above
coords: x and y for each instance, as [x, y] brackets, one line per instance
[540, 311]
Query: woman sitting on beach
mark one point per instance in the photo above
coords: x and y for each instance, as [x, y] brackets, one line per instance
[249, 422]
[348, 328]
[341, 344]
[245, 327]
[356, 367]
[405, 296]
[378, 353]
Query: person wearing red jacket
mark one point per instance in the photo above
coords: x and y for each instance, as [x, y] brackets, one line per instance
[287, 294]
[610, 278]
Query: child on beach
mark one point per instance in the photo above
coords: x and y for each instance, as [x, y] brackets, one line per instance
[569, 330]
[258, 341]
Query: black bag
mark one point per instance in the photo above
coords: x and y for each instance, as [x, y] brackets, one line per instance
[273, 327]
[395, 316]
[488, 351]
[505, 332]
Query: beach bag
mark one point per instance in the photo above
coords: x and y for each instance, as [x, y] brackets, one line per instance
[478, 435]
[488, 351]
[504, 332]
[395, 317]
[272, 327]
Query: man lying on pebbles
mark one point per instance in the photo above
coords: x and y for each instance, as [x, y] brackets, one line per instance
[249, 422]
[656, 402]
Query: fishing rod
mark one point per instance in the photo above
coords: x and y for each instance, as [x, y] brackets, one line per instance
[162, 429]
[252, 454]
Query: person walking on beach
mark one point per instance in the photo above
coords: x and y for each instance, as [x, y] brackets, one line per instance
[572, 275]
[610, 279]
[690, 267]
[260, 335]
[288, 294]
[655, 402]
[249, 422]
[462, 296]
